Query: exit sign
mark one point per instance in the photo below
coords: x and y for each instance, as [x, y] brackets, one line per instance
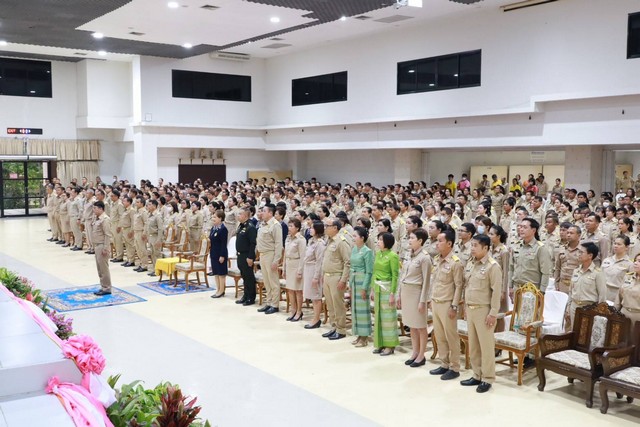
[24, 131]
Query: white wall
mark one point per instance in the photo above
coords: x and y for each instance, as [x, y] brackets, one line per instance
[109, 102]
[238, 162]
[157, 97]
[347, 166]
[56, 115]
[555, 50]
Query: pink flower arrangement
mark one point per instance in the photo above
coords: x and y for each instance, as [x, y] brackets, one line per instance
[87, 354]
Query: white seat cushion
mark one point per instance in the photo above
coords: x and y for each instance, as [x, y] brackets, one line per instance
[259, 277]
[513, 339]
[462, 327]
[571, 357]
[629, 375]
[598, 332]
[283, 282]
[552, 329]
[234, 272]
[184, 266]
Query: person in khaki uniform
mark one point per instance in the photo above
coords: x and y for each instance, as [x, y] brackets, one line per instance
[628, 298]
[483, 286]
[593, 234]
[100, 231]
[87, 218]
[617, 266]
[269, 244]
[126, 229]
[567, 260]
[154, 233]
[140, 217]
[462, 247]
[195, 222]
[48, 207]
[447, 280]
[117, 210]
[588, 284]
[336, 263]
[75, 217]
[57, 226]
[530, 260]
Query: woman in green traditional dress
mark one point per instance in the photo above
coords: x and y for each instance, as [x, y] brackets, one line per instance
[384, 284]
[360, 281]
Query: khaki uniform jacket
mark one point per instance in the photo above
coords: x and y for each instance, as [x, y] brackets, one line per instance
[483, 284]
[87, 211]
[154, 225]
[530, 262]
[295, 248]
[416, 271]
[75, 208]
[566, 264]
[140, 216]
[463, 251]
[588, 286]
[101, 230]
[337, 258]
[447, 279]
[615, 272]
[126, 220]
[629, 294]
[117, 210]
[270, 239]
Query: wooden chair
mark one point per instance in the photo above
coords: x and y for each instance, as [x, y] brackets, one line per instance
[176, 241]
[524, 328]
[578, 354]
[197, 263]
[621, 372]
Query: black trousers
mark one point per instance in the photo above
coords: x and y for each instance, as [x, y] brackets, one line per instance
[248, 277]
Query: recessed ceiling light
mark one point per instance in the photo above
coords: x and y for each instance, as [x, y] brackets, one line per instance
[187, 45]
[432, 84]
[32, 91]
[455, 75]
[411, 71]
[343, 18]
[97, 35]
[3, 43]
[274, 19]
[173, 5]
[102, 52]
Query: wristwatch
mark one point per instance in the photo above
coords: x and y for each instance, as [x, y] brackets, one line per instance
[454, 307]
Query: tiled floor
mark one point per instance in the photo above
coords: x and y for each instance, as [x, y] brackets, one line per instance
[248, 368]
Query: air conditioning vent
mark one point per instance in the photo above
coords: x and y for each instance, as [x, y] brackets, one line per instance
[523, 4]
[135, 33]
[362, 17]
[209, 7]
[80, 54]
[230, 56]
[537, 157]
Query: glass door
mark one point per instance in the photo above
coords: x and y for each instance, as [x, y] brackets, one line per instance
[22, 188]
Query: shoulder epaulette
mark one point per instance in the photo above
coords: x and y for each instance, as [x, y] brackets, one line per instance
[455, 258]
[425, 252]
[630, 273]
[343, 238]
[598, 269]
[402, 221]
[492, 261]
[540, 243]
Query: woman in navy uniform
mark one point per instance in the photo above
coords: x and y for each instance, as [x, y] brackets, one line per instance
[219, 254]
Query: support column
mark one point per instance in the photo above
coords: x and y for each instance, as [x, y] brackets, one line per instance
[407, 166]
[146, 154]
[584, 168]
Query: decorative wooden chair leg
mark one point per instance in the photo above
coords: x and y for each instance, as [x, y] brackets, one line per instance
[542, 379]
[604, 397]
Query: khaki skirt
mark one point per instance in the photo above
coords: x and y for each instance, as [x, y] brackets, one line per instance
[293, 282]
[410, 297]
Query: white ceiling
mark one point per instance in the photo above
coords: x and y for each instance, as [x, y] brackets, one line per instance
[239, 20]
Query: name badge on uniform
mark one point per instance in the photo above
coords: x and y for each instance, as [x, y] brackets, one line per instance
[575, 277]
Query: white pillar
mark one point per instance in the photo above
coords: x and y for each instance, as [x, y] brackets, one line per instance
[407, 166]
[584, 168]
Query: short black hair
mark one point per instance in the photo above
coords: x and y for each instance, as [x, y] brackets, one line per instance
[421, 234]
[387, 240]
[99, 204]
[591, 248]
[483, 240]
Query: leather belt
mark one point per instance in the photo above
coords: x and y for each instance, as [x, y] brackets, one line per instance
[442, 301]
[475, 306]
[583, 303]
[333, 274]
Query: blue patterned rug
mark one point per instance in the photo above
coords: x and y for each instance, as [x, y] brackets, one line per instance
[82, 297]
[166, 288]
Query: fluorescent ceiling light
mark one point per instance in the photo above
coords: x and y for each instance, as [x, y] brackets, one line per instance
[274, 19]
[3, 43]
[97, 35]
[187, 45]
[411, 71]
[173, 5]
[343, 18]
[102, 52]
[415, 3]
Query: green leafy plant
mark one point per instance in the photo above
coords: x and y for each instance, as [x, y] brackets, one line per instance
[162, 406]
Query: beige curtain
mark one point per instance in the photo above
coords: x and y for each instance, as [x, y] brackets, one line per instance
[65, 149]
[66, 171]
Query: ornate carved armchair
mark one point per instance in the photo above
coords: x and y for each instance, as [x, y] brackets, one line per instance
[197, 263]
[578, 354]
[175, 242]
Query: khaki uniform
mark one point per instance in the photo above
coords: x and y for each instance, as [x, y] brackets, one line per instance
[117, 210]
[195, 222]
[502, 256]
[336, 263]
[624, 184]
[294, 253]
[269, 245]
[610, 229]
[231, 221]
[538, 215]
[587, 287]
[57, 227]
[75, 218]
[462, 251]
[628, 298]
[140, 216]
[566, 264]
[65, 224]
[49, 210]
[347, 232]
[483, 285]
[126, 223]
[399, 232]
[543, 189]
[154, 230]
[496, 205]
[615, 271]
[87, 218]
[552, 244]
[100, 232]
[603, 243]
[530, 263]
[505, 222]
[447, 280]
[432, 249]
[415, 280]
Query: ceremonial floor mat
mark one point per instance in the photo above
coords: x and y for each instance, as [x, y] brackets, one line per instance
[166, 287]
[82, 297]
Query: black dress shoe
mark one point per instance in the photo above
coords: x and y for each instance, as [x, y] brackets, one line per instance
[101, 293]
[328, 334]
[439, 371]
[449, 375]
[297, 319]
[128, 264]
[142, 270]
[152, 274]
[217, 295]
[240, 301]
[483, 387]
[418, 364]
[117, 260]
[409, 362]
[272, 310]
[290, 318]
[75, 248]
[210, 274]
[263, 309]
[66, 245]
[137, 268]
[60, 242]
[336, 336]
[50, 239]
[314, 326]
[377, 350]
[247, 303]
[470, 381]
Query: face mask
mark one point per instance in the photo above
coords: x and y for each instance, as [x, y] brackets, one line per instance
[481, 229]
[605, 204]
